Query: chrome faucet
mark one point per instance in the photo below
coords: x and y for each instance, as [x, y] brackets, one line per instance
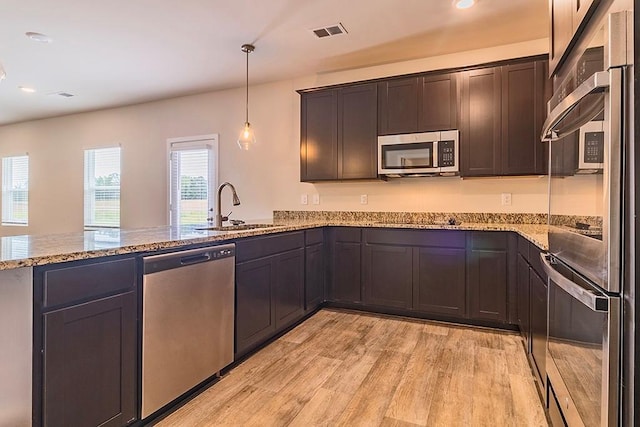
[236, 201]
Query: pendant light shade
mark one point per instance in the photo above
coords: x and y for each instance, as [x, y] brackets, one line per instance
[247, 137]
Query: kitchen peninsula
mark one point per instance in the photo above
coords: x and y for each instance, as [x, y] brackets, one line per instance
[45, 275]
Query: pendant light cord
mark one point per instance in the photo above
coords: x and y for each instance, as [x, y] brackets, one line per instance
[247, 86]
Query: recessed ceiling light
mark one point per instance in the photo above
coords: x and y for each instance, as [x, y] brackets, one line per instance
[464, 4]
[27, 89]
[38, 37]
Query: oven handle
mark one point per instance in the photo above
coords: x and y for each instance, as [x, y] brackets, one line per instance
[598, 82]
[592, 300]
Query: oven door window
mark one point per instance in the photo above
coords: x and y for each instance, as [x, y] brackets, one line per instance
[576, 345]
[408, 156]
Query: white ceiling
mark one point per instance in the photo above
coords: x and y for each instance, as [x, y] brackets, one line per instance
[118, 52]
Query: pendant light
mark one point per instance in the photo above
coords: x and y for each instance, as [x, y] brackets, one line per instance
[247, 137]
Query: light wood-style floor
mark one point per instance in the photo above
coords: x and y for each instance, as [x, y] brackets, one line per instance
[343, 368]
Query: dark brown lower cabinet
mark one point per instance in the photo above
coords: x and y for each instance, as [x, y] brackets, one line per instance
[255, 316]
[89, 360]
[289, 287]
[314, 276]
[487, 282]
[269, 297]
[388, 275]
[345, 265]
[523, 298]
[440, 283]
[538, 288]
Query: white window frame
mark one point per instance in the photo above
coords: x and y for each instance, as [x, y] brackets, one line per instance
[6, 191]
[84, 194]
[209, 142]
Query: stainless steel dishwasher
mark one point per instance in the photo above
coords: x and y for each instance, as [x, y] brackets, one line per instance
[187, 321]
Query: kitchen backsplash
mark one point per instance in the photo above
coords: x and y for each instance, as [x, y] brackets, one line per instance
[413, 217]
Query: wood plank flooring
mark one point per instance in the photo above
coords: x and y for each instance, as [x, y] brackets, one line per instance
[342, 368]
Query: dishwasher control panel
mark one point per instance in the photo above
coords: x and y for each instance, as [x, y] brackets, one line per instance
[157, 263]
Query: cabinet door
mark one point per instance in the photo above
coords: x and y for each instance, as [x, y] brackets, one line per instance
[345, 282]
[255, 317]
[388, 275]
[398, 106]
[289, 287]
[314, 276]
[90, 363]
[523, 298]
[480, 137]
[487, 283]
[440, 283]
[357, 132]
[562, 16]
[523, 112]
[319, 136]
[538, 314]
[438, 102]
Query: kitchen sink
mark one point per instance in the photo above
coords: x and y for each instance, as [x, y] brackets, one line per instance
[240, 227]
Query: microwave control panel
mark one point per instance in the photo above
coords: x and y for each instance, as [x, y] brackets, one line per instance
[594, 147]
[446, 153]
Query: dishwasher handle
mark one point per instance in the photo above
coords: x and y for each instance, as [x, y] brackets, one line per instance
[180, 259]
[195, 259]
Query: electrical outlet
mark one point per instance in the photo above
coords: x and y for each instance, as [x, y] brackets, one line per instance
[316, 199]
[506, 199]
[304, 200]
[364, 199]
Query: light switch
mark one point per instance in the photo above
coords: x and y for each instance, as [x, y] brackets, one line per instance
[316, 199]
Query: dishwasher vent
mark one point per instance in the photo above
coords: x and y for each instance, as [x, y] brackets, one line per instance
[331, 30]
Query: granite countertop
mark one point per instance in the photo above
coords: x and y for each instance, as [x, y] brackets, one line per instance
[24, 251]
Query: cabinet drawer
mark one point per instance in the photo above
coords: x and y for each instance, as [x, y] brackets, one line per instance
[523, 247]
[75, 283]
[425, 238]
[314, 236]
[534, 260]
[346, 234]
[488, 240]
[259, 247]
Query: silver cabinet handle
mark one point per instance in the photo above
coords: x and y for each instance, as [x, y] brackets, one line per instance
[598, 82]
[587, 297]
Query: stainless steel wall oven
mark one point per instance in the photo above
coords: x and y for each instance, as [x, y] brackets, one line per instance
[589, 133]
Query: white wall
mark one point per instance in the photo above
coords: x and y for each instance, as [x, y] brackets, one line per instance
[267, 177]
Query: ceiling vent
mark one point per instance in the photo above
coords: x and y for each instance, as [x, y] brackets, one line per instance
[62, 94]
[331, 30]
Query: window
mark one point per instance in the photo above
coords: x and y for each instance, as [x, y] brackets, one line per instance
[15, 190]
[102, 188]
[193, 171]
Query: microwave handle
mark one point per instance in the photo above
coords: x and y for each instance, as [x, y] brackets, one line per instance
[598, 82]
[435, 154]
[592, 300]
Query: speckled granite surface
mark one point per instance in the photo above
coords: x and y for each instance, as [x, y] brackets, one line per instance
[23, 251]
[413, 217]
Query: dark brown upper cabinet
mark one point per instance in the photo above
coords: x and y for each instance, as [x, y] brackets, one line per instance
[502, 113]
[398, 106]
[338, 139]
[480, 130]
[418, 104]
[567, 19]
[523, 114]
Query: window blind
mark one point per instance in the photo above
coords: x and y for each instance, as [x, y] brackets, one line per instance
[15, 190]
[102, 188]
[191, 182]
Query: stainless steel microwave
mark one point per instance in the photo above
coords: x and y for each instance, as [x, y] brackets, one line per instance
[419, 154]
